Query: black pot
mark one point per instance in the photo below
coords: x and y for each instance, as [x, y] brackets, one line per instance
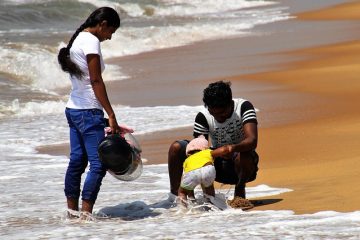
[116, 154]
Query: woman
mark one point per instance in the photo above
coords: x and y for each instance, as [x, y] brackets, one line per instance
[82, 59]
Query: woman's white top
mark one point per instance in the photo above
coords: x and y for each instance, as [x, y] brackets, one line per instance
[82, 95]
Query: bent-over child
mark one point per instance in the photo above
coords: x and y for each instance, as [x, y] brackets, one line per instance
[199, 168]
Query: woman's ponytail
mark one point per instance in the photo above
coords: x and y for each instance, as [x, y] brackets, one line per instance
[66, 64]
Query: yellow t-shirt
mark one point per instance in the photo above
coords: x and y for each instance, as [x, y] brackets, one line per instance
[198, 160]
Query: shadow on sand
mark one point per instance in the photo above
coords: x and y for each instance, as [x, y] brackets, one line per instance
[134, 210]
[139, 210]
[262, 202]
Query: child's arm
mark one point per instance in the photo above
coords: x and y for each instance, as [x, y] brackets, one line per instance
[223, 151]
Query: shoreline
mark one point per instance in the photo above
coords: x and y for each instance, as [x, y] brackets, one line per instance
[308, 140]
[320, 158]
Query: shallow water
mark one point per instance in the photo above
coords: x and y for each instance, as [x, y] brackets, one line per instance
[141, 210]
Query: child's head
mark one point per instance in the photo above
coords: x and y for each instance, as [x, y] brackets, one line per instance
[197, 144]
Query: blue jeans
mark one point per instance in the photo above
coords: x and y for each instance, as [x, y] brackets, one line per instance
[86, 133]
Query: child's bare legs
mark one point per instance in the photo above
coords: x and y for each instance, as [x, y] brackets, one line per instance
[183, 194]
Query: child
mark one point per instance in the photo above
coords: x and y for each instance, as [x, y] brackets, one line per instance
[199, 168]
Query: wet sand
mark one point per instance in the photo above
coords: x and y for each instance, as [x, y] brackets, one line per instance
[319, 157]
[304, 82]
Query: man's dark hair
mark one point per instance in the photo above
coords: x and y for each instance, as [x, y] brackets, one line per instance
[217, 95]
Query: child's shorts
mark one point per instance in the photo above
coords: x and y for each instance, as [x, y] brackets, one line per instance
[204, 176]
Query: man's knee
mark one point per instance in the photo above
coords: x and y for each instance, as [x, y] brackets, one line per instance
[176, 158]
[177, 150]
[175, 147]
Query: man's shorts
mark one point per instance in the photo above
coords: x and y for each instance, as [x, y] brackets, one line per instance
[225, 169]
[204, 176]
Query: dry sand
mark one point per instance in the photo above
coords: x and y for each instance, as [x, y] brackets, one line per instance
[309, 128]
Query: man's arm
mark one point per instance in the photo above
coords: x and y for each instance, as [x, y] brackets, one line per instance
[248, 115]
[221, 151]
[250, 141]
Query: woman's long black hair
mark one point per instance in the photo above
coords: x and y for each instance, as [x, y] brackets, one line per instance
[101, 14]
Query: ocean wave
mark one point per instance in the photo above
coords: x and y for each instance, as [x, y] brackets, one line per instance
[42, 14]
[33, 124]
[37, 67]
[33, 108]
[32, 64]
[144, 119]
[134, 40]
[33, 31]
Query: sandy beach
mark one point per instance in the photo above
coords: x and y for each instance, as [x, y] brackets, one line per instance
[309, 123]
[319, 156]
